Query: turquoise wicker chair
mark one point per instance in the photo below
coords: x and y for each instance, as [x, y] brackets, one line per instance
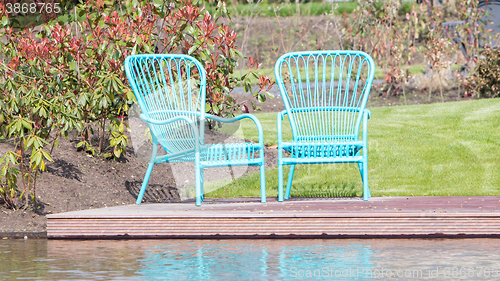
[170, 90]
[325, 93]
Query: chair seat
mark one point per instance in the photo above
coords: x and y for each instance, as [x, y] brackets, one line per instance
[323, 149]
[213, 155]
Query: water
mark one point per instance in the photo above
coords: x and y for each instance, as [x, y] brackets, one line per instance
[344, 259]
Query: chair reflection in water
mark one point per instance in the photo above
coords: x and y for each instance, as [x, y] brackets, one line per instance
[170, 90]
[261, 259]
[325, 94]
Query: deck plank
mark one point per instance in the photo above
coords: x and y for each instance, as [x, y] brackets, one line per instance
[298, 217]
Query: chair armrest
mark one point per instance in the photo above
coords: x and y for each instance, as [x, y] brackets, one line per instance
[172, 120]
[237, 118]
[164, 122]
[368, 112]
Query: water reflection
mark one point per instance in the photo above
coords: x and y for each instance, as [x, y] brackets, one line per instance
[204, 260]
[261, 259]
[324, 260]
[472, 259]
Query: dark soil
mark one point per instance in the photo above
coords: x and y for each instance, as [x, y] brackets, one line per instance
[78, 181]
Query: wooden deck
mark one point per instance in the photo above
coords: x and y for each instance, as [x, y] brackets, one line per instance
[295, 218]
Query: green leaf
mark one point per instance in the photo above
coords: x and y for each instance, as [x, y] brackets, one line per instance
[42, 112]
[16, 127]
[80, 144]
[4, 21]
[36, 158]
[47, 155]
[261, 98]
[269, 95]
[192, 49]
[116, 152]
[103, 103]
[30, 142]
[12, 157]
[238, 53]
[247, 87]
[116, 55]
[115, 85]
[26, 124]
[82, 99]
[204, 56]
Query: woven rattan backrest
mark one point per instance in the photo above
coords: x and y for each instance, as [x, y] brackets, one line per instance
[167, 86]
[325, 93]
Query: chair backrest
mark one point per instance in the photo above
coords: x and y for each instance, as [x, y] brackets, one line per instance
[325, 93]
[167, 86]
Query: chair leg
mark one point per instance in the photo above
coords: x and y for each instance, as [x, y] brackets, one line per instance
[148, 174]
[198, 179]
[363, 169]
[280, 181]
[144, 184]
[262, 184]
[202, 175]
[289, 182]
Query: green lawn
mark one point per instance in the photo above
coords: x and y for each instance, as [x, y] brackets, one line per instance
[287, 9]
[436, 149]
[305, 9]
